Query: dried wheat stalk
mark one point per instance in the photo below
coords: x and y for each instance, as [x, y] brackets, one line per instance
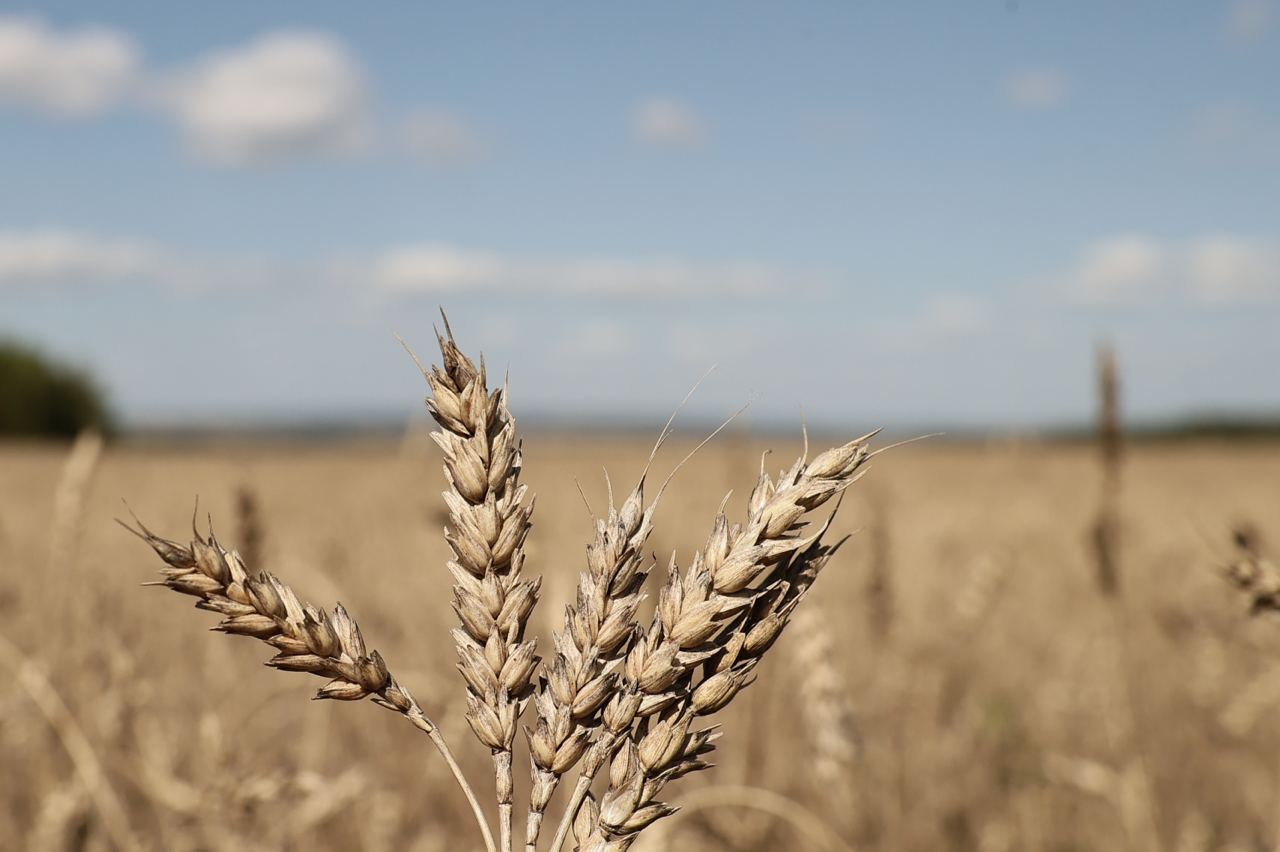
[824, 706]
[578, 702]
[489, 522]
[1106, 527]
[713, 625]
[306, 639]
[880, 583]
[614, 694]
[70, 496]
[249, 525]
[1253, 573]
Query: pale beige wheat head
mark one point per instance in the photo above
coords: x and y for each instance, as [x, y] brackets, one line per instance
[489, 521]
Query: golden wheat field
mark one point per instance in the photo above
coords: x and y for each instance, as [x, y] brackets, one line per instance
[954, 682]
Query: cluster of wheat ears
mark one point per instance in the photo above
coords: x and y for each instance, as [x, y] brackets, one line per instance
[614, 695]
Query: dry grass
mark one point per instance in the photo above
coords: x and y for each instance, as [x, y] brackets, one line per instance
[993, 715]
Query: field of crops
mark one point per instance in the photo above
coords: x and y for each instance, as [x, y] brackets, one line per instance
[955, 680]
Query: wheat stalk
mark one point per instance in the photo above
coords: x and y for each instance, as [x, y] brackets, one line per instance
[824, 705]
[31, 676]
[713, 625]
[249, 524]
[613, 694]
[1106, 527]
[880, 583]
[578, 701]
[489, 522]
[69, 498]
[305, 638]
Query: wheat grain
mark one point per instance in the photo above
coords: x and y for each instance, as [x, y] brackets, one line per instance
[489, 523]
[581, 678]
[713, 625]
[305, 638]
[613, 694]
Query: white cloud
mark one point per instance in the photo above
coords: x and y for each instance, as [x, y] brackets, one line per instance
[69, 258]
[438, 269]
[75, 72]
[1120, 269]
[1132, 269]
[283, 94]
[435, 268]
[667, 123]
[939, 319]
[1230, 269]
[441, 138]
[1248, 21]
[1041, 88]
[61, 258]
[57, 257]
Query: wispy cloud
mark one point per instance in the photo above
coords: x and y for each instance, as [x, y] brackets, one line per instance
[1248, 21]
[439, 269]
[667, 123]
[37, 258]
[1224, 269]
[441, 138]
[70, 72]
[1230, 269]
[284, 94]
[1037, 88]
[40, 259]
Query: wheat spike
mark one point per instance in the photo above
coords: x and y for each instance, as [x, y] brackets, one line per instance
[489, 522]
[824, 706]
[581, 679]
[1106, 527]
[305, 638]
[69, 498]
[714, 623]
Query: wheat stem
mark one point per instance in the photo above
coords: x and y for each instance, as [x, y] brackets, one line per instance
[788, 810]
[488, 524]
[31, 676]
[580, 791]
[425, 725]
[502, 773]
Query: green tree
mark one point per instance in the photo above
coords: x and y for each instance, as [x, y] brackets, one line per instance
[39, 396]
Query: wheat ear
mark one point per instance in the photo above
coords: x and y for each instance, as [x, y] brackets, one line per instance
[1253, 573]
[489, 522]
[713, 624]
[580, 710]
[825, 707]
[69, 499]
[306, 639]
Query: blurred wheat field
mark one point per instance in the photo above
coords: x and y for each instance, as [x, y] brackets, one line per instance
[957, 682]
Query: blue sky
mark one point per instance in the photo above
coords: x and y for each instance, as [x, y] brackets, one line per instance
[899, 213]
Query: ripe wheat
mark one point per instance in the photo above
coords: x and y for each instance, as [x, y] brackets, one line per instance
[615, 694]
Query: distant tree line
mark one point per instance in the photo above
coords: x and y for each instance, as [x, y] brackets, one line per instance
[42, 397]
